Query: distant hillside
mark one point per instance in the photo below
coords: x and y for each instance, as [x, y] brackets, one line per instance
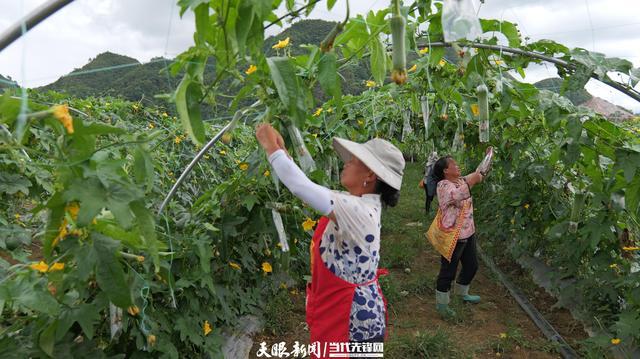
[132, 80]
[124, 77]
[582, 97]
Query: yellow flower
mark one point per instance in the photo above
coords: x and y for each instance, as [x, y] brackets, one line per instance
[266, 267]
[177, 140]
[234, 265]
[133, 310]
[370, 83]
[413, 68]
[360, 122]
[442, 62]
[423, 51]
[151, 339]
[629, 249]
[164, 114]
[151, 125]
[56, 267]
[140, 259]
[615, 341]
[526, 206]
[318, 112]
[206, 328]
[613, 266]
[315, 135]
[503, 335]
[42, 267]
[279, 245]
[61, 112]
[222, 152]
[498, 62]
[244, 166]
[283, 285]
[17, 215]
[330, 109]
[251, 70]
[266, 173]
[475, 109]
[308, 224]
[281, 44]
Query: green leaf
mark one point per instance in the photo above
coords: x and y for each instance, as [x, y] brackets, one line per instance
[328, 74]
[632, 195]
[47, 338]
[628, 161]
[146, 224]
[109, 273]
[143, 170]
[330, 4]
[84, 314]
[12, 183]
[188, 97]
[378, 60]
[204, 252]
[287, 84]
[509, 29]
[249, 201]
[284, 78]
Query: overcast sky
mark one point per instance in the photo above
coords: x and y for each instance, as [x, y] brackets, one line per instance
[144, 29]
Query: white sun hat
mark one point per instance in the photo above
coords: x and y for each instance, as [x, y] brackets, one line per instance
[380, 156]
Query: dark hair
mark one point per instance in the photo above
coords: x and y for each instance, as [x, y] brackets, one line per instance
[435, 175]
[439, 167]
[388, 195]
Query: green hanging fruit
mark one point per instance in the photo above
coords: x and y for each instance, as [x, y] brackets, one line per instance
[483, 109]
[398, 26]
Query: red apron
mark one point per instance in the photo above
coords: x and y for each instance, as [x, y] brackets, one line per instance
[329, 298]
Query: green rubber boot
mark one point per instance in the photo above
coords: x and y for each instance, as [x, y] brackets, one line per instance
[463, 291]
[442, 305]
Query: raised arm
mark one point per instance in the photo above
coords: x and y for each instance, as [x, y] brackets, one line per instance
[314, 195]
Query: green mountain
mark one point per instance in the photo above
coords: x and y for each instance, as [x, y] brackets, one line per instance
[111, 74]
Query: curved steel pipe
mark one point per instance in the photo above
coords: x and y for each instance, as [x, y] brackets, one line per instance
[185, 173]
[31, 20]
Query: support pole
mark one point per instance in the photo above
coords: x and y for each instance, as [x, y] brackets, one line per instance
[31, 20]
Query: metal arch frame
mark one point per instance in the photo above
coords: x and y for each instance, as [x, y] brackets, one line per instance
[31, 20]
[616, 85]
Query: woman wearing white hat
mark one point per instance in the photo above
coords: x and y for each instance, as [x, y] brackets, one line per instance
[344, 299]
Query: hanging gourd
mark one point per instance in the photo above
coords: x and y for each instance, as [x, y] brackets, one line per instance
[458, 139]
[406, 124]
[424, 104]
[282, 235]
[576, 210]
[305, 160]
[398, 37]
[483, 107]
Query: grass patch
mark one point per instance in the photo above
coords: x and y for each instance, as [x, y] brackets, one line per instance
[423, 344]
[277, 315]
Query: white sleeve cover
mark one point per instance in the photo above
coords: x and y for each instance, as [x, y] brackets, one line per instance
[316, 196]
